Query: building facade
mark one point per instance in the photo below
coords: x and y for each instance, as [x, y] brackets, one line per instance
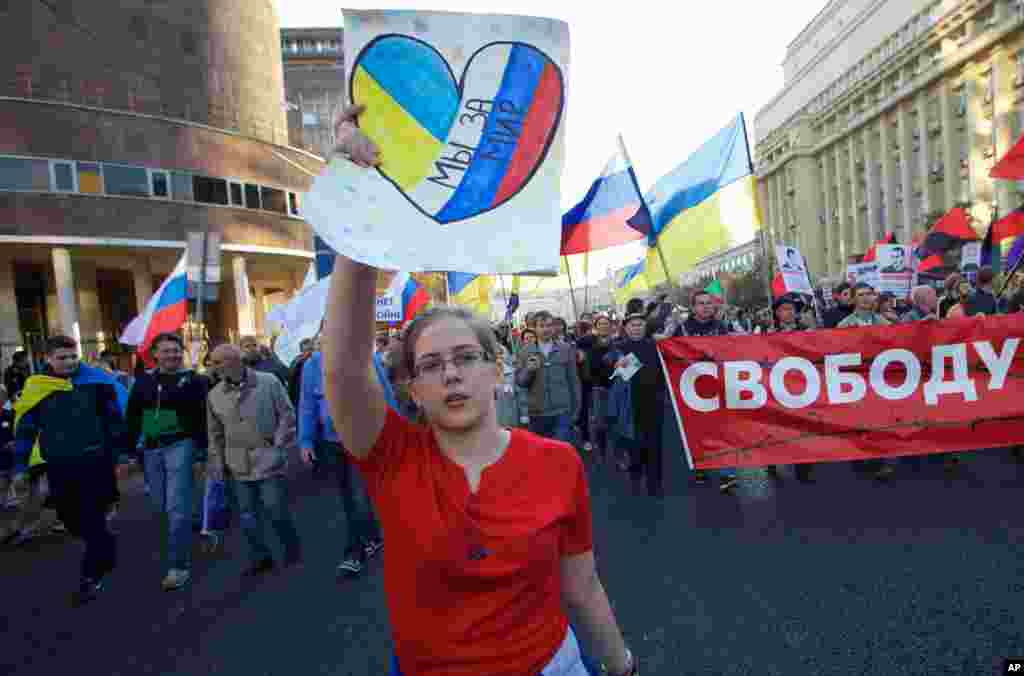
[124, 127]
[314, 82]
[892, 112]
[737, 260]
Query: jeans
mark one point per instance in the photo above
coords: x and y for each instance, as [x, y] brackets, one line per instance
[82, 489]
[270, 497]
[558, 427]
[598, 418]
[362, 524]
[171, 487]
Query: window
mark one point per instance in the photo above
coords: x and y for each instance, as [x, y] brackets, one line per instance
[24, 174]
[310, 120]
[237, 199]
[160, 183]
[273, 199]
[181, 186]
[252, 196]
[62, 176]
[119, 179]
[90, 178]
[293, 204]
[210, 190]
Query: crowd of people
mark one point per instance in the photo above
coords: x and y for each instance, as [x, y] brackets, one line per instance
[463, 441]
[232, 421]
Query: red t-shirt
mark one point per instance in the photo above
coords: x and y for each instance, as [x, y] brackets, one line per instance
[473, 581]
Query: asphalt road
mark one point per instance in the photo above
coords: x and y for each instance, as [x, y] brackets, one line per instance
[919, 576]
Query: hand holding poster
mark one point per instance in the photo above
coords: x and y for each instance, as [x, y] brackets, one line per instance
[848, 394]
[793, 268]
[894, 271]
[467, 112]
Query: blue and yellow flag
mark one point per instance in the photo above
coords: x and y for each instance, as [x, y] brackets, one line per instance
[472, 291]
[706, 204]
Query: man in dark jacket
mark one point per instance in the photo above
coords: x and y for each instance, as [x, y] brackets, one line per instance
[648, 393]
[167, 409]
[702, 322]
[843, 297]
[983, 300]
[76, 417]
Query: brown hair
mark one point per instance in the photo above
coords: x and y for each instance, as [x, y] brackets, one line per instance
[952, 282]
[54, 343]
[403, 356]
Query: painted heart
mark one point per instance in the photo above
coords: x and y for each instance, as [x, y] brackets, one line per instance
[457, 149]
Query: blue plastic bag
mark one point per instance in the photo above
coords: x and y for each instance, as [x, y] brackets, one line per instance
[215, 506]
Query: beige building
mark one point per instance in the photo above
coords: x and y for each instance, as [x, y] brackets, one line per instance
[893, 112]
[123, 128]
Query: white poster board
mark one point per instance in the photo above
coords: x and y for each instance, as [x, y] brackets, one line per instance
[894, 269]
[468, 111]
[970, 257]
[300, 317]
[793, 267]
[864, 272]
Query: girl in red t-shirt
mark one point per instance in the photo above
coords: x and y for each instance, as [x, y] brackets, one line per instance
[489, 534]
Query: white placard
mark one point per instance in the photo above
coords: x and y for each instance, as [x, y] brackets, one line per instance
[894, 272]
[863, 272]
[970, 257]
[793, 268]
[468, 111]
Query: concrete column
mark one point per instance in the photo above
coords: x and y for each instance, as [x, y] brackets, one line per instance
[906, 140]
[875, 222]
[67, 303]
[143, 276]
[854, 235]
[260, 310]
[243, 298]
[10, 330]
[828, 179]
[1003, 72]
[890, 214]
[843, 193]
[950, 147]
[923, 163]
[979, 140]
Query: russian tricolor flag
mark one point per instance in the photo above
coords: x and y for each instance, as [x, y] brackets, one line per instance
[612, 213]
[414, 299]
[165, 313]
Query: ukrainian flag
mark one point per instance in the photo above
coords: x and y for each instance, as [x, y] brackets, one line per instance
[471, 291]
[632, 281]
[706, 204]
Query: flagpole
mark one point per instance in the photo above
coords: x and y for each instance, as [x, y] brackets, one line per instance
[447, 291]
[572, 292]
[636, 184]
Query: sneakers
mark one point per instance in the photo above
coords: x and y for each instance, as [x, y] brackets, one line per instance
[727, 483]
[353, 563]
[884, 473]
[176, 579]
[88, 590]
[372, 547]
[257, 568]
[293, 557]
[58, 528]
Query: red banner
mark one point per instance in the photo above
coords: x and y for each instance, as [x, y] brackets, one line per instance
[848, 394]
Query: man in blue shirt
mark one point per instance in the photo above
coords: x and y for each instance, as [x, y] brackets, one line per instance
[319, 441]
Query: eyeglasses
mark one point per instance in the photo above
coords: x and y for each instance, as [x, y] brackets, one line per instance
[432, 369]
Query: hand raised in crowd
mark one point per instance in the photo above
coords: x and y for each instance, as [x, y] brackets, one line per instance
[352, 142]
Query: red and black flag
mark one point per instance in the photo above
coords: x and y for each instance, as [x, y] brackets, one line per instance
[951, 230]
